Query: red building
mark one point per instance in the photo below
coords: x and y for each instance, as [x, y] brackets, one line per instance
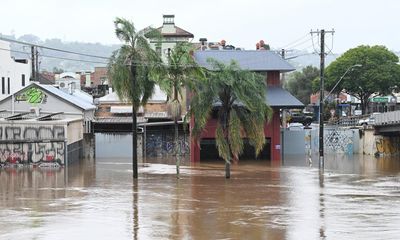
[265, 62]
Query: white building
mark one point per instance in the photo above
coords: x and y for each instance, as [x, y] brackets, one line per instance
[68, 81]
[171, 35]
[14, 73]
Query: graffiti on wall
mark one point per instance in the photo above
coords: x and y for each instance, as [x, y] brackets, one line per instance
[32, 144]
[27, 153]
[32, 95]
[162, 144]
[387, 145]
[339, 141]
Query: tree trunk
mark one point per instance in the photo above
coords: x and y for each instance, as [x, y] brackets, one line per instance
[176, 147]
[227, 170]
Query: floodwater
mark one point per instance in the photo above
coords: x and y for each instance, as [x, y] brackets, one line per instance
[355, 198]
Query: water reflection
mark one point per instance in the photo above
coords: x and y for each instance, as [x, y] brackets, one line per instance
[354, 198]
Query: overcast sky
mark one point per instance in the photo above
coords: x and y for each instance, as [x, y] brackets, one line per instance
[240, 23]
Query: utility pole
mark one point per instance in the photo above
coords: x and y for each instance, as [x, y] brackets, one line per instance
[37, 65]
[283, 57]
[33, 63]
[321, 97]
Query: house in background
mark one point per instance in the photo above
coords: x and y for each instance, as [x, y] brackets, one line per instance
[111, 105]
[14, 73]
[171, 35]
[269, 64]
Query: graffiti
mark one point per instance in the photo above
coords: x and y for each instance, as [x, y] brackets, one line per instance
[26, 153]
[32, 95]
[32, 132]
[32, 144]
[387, 145]
[339, 141]
[162, 144]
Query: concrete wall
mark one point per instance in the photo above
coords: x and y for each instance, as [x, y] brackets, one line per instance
[306, 141]
[35, 142]
[379, 145]
[32, 143]
[9, 69]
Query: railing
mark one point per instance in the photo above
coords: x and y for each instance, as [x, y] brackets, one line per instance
[351, 121]
[388, 118]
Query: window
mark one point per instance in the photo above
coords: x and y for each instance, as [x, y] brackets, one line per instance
[23, 80]
[8, 85]
[3, 85]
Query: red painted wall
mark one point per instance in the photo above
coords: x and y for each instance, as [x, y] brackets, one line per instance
[271, 129]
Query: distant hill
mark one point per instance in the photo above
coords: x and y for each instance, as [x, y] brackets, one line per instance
[299, 59]
[48, 63]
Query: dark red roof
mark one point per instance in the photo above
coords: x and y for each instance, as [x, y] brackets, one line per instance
[179, 33]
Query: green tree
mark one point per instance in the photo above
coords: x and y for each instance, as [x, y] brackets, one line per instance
[379, 73]
[130, 70]
[179, 72]
[300, 83]
[239, 96]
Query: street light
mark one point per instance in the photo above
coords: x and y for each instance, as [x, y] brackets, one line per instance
[321, 113]
[340, 79]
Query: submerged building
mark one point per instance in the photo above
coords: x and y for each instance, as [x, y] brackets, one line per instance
[269, 64]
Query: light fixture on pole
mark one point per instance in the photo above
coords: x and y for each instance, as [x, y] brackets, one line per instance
[321, 114]
[341, 78]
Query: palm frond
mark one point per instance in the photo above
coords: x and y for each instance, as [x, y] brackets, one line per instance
[222, 144]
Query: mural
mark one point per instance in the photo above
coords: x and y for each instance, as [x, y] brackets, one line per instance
[32, 144]
[32, 153]
[340, 141]
[32, 95]
[387, 145]
[161, 143]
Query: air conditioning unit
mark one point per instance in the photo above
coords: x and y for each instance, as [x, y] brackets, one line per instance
[35, 110]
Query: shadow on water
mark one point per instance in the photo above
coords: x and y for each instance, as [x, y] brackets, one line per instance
[354, 198]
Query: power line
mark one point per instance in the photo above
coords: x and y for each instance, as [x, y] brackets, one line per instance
[299, 44]
[62, 58]
[50, 48]
[4, 49]
[70, 59]
[293, 42]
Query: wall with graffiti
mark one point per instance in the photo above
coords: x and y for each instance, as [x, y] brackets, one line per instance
[387, 145]
[306, 141]
[27, 144]
[161, 143]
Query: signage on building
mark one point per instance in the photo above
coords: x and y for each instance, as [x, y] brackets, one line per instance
[380, 99]
[386, 99]
[32, 95]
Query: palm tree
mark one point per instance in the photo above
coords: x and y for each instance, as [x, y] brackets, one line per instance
[179, 72]
[239, 97]
[130, 69]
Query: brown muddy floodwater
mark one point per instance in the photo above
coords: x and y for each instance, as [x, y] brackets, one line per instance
[355, 198]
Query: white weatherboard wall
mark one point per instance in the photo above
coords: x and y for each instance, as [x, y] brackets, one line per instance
[10, 69]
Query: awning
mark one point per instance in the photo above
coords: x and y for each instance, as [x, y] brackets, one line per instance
[279, 97]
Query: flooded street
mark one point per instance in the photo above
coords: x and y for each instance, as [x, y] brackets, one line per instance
[356, 198]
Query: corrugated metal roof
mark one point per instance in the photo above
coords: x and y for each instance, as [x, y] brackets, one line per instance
[276, 97]
[253, 60]
[81, 103]
[279, 97]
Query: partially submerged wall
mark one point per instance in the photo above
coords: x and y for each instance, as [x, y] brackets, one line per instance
[33, 142]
